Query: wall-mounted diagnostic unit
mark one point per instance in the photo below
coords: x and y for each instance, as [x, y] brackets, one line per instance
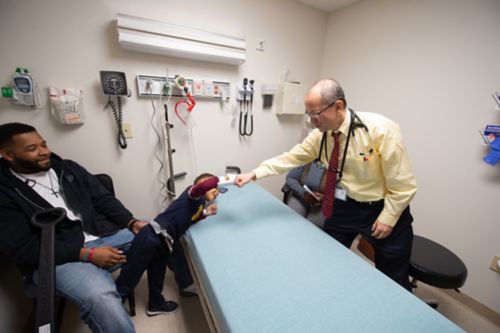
[22, 89]
[150, 85]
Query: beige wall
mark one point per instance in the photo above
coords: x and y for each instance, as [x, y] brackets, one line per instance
[67, 43]
[432, 66]
[429, 65]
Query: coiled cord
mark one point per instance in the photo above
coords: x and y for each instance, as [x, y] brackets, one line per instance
[118, 116]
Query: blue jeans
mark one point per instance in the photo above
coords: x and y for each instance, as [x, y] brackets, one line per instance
[93, 289]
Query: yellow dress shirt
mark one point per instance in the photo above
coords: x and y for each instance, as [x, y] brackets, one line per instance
[376, 163]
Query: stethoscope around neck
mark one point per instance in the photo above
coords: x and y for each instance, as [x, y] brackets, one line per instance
[356, 122]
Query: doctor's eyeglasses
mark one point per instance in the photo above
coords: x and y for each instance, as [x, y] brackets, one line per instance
[315, 115]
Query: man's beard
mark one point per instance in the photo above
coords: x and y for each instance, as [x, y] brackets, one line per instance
[27, 166]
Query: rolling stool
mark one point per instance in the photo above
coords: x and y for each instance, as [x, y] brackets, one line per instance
[435, 265]
[430, 263]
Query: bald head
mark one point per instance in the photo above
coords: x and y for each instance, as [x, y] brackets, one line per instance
[325, 104]
[328, 91]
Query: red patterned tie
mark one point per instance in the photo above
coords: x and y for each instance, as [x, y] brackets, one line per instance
[331, 179]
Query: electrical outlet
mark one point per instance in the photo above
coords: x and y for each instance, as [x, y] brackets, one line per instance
[495, 264]
[127, 130]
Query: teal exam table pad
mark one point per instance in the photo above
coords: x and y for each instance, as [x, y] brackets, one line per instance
[265, 269]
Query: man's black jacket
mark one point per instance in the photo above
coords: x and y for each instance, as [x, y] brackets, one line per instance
[100, 212]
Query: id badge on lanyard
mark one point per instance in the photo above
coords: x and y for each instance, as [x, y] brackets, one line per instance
[340, 193]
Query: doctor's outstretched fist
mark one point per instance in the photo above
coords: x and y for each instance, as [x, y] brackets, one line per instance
[244, 178]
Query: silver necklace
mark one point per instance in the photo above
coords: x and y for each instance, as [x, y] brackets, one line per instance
[29, 181]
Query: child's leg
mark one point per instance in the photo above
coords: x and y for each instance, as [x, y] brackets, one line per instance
[179, 265]
[146, 248]
[156, 278]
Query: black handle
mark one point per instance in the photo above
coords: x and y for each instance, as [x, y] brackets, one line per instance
[46, 220]
[233, 169]
[170, 180]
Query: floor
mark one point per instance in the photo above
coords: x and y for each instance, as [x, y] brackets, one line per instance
[190, 317]
[457, 312]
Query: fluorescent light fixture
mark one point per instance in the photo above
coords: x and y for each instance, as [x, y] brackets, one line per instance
[143, 35]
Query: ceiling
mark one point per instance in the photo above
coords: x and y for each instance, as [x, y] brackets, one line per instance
[328, 5]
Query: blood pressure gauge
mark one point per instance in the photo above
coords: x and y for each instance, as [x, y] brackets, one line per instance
[114, 83]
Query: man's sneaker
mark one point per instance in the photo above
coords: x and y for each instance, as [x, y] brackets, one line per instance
[189, 291]
[168, 307]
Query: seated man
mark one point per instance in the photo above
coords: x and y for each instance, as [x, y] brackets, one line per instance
[304, 202]
[93, 235]
[169, 226]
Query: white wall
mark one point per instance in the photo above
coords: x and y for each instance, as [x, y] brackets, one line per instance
[432, 66]
[429, 65]
[67, 43]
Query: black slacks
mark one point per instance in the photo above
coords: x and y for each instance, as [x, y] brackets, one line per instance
[392, 254]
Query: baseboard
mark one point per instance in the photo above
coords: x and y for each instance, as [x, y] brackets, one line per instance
[475, 306]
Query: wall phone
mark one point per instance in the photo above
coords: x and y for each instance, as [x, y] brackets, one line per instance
[115, 84]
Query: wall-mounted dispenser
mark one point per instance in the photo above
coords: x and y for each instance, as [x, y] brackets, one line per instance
[290, 98]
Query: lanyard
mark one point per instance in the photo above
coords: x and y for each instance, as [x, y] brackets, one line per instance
[352, 126]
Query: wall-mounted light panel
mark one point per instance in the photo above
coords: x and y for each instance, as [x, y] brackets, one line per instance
[143, 35]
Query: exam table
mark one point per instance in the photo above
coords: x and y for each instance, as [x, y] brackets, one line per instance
[260, 267]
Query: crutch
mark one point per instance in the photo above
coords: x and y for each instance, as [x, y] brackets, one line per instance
[46, 221]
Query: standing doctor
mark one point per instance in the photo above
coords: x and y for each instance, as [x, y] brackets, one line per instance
[369, 183]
